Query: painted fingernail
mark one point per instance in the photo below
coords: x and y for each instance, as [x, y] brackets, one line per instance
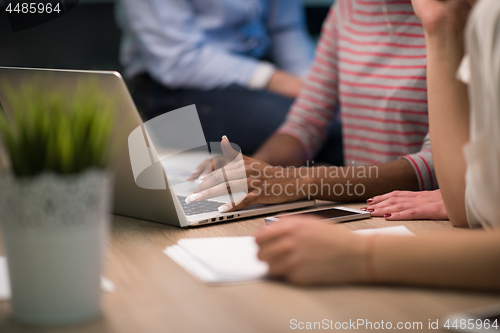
[223, 208]
[224, 137]
[369, 200]
[387, 215]
[187, 200]
[194, 197]
[366, 209]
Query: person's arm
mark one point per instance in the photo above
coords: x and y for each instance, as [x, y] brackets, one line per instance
[266, 184]
[306, 125]
[307, 251]
[466, 260]
[355, 183]
[443, 23]
[282, 150]
[176, 53]
[284, 83]
[411, 173]
[291, 46]
[372, 180]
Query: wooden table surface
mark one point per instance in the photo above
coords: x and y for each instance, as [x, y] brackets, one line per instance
[154, 294]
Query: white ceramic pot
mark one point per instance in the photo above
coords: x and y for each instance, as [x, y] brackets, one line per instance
[54, 231]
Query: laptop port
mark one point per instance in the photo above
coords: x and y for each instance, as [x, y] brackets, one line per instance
[230, 216]
[221, 218]
[213, 219]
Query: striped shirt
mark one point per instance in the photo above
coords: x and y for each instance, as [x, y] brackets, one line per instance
[372, 63]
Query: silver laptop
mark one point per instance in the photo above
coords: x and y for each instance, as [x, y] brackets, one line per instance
[161, 204]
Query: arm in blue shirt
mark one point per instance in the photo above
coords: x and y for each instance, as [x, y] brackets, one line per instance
[176, 52]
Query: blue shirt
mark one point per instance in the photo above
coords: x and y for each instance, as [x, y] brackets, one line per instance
[206, 44]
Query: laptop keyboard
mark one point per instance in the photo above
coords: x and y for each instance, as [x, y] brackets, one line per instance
[199, 207]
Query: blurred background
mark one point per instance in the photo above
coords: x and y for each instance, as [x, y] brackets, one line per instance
[87, 37]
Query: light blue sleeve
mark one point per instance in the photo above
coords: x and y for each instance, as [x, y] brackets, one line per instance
[174, 50]
[292, 48]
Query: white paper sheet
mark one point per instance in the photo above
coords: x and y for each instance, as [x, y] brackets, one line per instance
[400, 230]
[106, 284]
[219, 260]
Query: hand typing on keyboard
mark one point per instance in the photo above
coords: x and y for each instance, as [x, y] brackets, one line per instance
[253, 177]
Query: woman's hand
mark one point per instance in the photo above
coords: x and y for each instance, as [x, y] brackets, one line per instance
[303, 250]
[208, 166]
[263, 183]
[439, 16]
[408, 205]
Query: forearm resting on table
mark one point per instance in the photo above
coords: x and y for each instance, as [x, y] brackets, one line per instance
[450, 260]
[282, 150]
[361, 182]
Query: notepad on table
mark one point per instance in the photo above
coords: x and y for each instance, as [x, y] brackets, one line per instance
[219, 259]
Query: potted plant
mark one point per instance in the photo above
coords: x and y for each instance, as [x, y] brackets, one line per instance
[54, 200]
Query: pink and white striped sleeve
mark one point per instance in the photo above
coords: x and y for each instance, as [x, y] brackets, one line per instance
[424, 167]
[315, 106]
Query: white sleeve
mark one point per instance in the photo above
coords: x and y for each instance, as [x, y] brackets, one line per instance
[482, 153]
[261, 75]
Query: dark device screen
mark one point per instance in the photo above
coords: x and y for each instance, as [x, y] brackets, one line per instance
[330, 213]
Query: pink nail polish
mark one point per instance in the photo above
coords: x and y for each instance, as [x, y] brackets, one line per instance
[369, 200]
[387, 215]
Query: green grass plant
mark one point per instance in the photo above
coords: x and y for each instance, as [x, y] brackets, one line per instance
[51, 131]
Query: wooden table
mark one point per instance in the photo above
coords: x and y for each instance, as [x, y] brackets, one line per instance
[154, 294]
